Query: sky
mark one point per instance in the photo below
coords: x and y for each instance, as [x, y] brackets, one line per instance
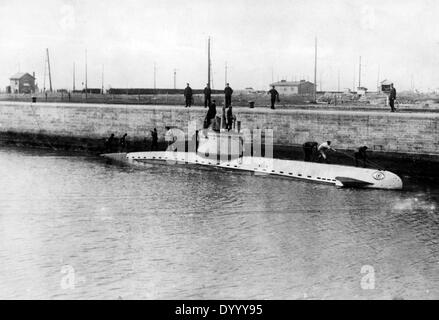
[260, 40]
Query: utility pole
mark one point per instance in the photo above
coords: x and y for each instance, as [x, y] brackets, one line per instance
[208, 62]
[359, 74]
[378, 79]
[45, 71]
[338, 81]
[74, 76]
[48, 68]
[175, 78]
[353, 83]
[315, 71]
[86, 84]
[155, 71]
[102, 89]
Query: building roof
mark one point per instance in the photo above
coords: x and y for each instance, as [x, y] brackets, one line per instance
[285, 83]
[19, 75]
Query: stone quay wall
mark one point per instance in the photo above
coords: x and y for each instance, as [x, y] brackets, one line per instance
[401, 133]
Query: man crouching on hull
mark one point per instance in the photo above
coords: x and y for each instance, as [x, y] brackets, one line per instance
[322, 149]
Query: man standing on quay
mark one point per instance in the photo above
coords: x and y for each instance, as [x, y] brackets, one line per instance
[228, 93]
[392, 98]
[207, 96]
[188, 95]
[274, 96]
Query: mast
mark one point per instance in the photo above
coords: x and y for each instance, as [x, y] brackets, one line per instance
[225, 73]
[175, 78]
[359, 74]
[208, 63]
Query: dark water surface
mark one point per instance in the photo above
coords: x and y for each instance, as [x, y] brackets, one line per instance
[75, 226]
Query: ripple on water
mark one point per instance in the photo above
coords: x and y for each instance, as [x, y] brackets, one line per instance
[175, 232]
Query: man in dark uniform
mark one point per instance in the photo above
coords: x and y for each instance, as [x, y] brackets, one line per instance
[274, 96]
[228, 94]
[361, 154]
[310, 149]
[392, 98]
[211, 113]
[123, 142]
[109, 143]
[154, 145]
[207, 96]
[230, 118]
[188, 95]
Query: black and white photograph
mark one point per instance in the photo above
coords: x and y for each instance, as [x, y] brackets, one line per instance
[204, 150]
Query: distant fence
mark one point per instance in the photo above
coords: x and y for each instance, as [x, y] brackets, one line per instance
[132, 91]
[121, 97]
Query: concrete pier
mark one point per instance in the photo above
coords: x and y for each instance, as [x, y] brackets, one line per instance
[408, 137]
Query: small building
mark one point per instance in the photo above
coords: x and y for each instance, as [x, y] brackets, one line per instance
[301, 87]
[22, 83]
[250, 90]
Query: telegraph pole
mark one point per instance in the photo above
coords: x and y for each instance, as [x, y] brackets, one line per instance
[74, 76]
[48, 68]
[155, 71]
[86, 84]
[45, 71]
[315, 71]
[102, 90]
[378, 80]
[353, 83]
[338, 81]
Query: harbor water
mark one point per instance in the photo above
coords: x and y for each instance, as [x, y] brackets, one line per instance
[75, 226]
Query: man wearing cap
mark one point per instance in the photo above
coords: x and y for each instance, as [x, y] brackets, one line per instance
[207, 96]
[211, 113]
[392, 98]
[228, 95]
[188, 95]
[274, 96]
